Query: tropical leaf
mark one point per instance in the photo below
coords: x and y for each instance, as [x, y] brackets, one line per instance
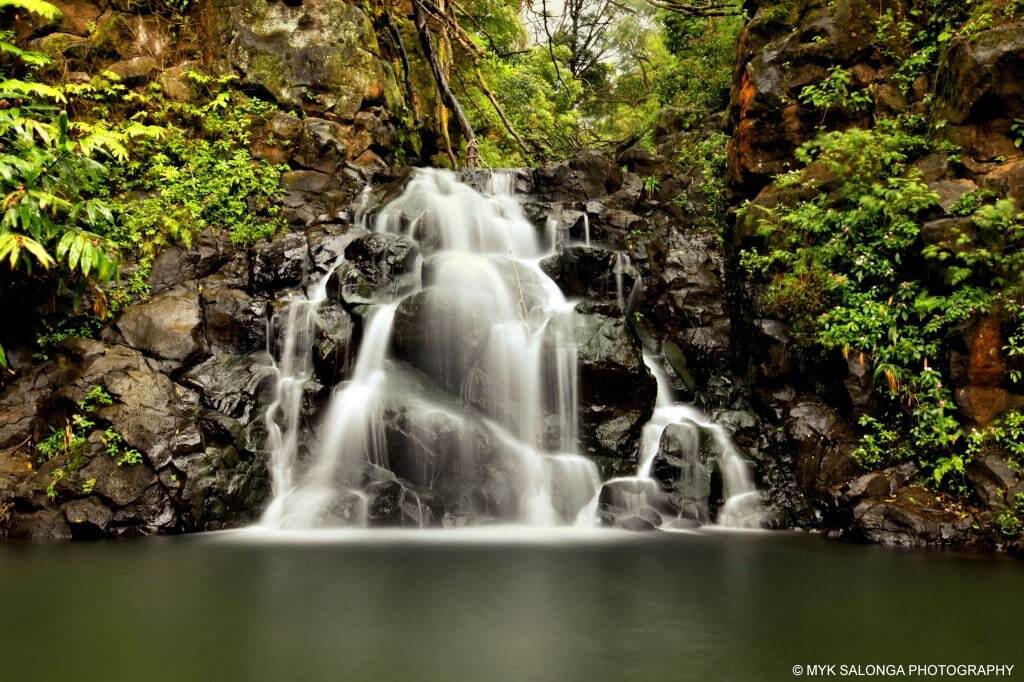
[14, 88]
[11, 245]
[40, 7]
[29, 57]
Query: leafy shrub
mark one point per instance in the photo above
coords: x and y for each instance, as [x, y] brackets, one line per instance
[848, 268]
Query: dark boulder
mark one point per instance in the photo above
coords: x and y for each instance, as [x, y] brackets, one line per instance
[379, 267]
[995, 480]
[152, 414]
[224, 487]
[234, 320]
[978, 79]
[395, 503]
[687, 456]
[914, 517]
[333, 350]
[168, 326]
[40, 525]
[234, 385]
[624, 498]
[281, 263]
[591, 273]
[616, 389]
[823, 442]
[88, 518]
[588, 175]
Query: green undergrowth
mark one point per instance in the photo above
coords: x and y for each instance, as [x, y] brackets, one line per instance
[97, 176]
[68, 445]
[849, 266]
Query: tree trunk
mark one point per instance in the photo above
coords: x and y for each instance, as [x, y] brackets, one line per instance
[472, 150]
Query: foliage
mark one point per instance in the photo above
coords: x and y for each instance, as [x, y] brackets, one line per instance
[198, 174]
[1006, 434]
[847, 267]
[708, 157]
[700, 73]
[1017, 128]
[93, 174]
[600, 80]
[68, 444]
[835, 92]
[1010, 521]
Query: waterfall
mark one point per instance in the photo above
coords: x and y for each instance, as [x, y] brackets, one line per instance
[742, 506]
[462, 406]
[476, 248]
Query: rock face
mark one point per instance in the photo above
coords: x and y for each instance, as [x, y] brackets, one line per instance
[683, 467]
[380, 268]
[177, 444]
[616, 390]
[807, 459]
[317, 52]
[167, 326]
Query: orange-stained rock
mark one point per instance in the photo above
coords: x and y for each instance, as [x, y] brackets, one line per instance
[986, 364]
[982, 404]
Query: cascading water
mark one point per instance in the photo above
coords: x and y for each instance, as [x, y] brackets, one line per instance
[741, 506]
[477, 421]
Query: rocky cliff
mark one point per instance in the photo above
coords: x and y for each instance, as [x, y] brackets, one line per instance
[970, 91]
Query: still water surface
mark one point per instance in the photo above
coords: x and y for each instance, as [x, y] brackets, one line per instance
[473, 605]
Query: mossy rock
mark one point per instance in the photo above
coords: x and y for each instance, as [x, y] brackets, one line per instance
[321, 56]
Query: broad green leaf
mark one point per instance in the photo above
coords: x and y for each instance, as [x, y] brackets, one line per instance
[40, 7]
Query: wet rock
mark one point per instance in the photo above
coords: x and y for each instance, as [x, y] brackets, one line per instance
[823, 442]
[994, 480]
[150, 412]
[875, 484]
[687, 455]
[332, 343]
[859, 382]
[168, 326]
[234, 385]
[914, 518]
[616, 390]
[777, 58]
[442, 332]
[41, 525]
[87, 518]
[175, 265]
[772, 343]
[123, 484]
[380, 267]
[621, 497]
[395, 503]
[977, 80]
[21, 401]
[639, 524]
[282, 263]
[588, 175]
[469, 470]
[234, 320]
[584, 271]
[224, 487]
[152, 513]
